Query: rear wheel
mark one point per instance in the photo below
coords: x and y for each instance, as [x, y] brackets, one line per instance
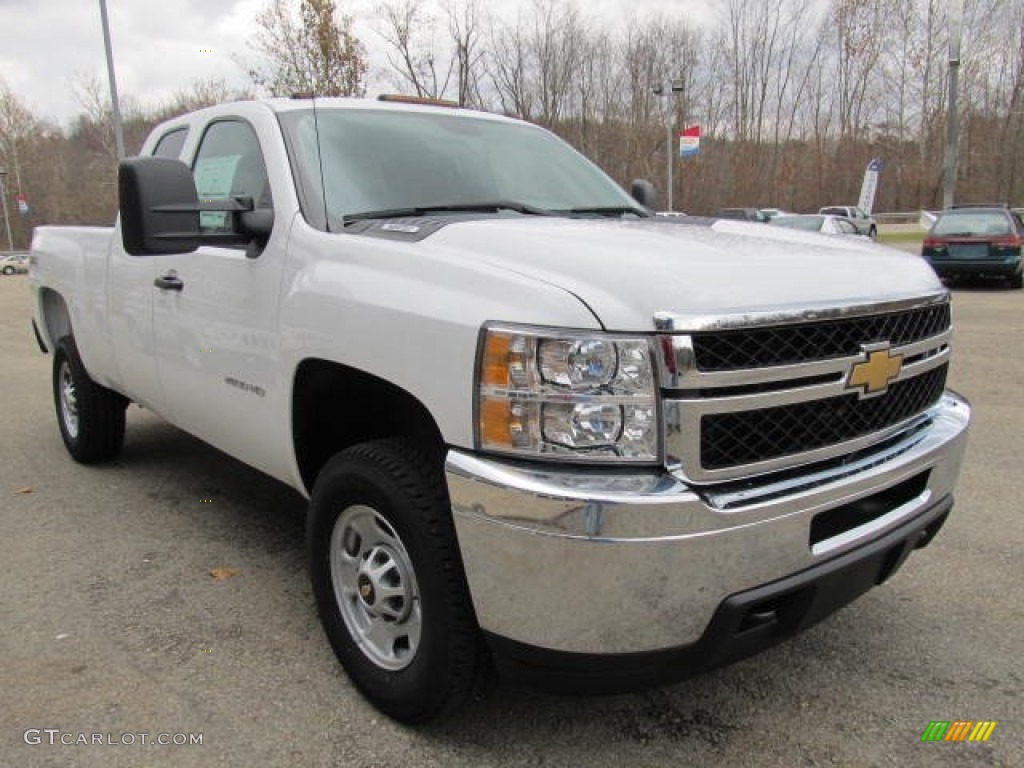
[8, 270]
[90, 416]
[388, 580]
[1017, 280]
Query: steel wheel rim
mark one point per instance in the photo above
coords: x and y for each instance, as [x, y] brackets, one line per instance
[68, 399]
[375, 587]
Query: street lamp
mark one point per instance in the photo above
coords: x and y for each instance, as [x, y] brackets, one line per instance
[665, 91]
[7, 216]
[956, 15]
[115, 107]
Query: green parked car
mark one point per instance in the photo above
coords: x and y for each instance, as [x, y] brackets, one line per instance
[976, 241]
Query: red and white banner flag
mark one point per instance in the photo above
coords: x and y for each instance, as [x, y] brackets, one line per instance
[689, 141]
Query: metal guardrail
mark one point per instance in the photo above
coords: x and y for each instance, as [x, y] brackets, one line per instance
[899, 217]
[909, 216]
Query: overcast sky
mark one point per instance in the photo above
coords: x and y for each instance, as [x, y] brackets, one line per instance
[160, 46]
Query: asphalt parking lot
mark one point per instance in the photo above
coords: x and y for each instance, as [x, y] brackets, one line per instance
[111, 623]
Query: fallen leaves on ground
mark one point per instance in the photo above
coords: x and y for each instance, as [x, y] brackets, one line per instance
[223, 574]
[24, 490]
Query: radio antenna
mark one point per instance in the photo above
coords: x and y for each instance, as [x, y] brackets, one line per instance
[320, 162]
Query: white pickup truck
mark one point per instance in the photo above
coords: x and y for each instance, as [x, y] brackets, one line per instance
[536, 424]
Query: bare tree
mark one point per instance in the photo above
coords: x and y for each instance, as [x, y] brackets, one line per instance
[555, 41]
[534, 63]
[465, 28]
[1011, 178]
[931, 42]
[96, 121]
[897, 72]
[860, 26]
[410, 32]
[510, 68]
[311, 49]
[198, 94]
[759, 39]
[792, 96]
[17, 124]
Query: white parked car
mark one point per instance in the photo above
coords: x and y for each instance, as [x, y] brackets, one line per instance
[864, 221]
[14, 263]
[824, 223]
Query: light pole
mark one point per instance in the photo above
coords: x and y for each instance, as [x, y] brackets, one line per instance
[7, 216]
[115, 107]
[665, 91]
[956, 15]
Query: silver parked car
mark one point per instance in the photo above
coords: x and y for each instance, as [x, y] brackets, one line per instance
[14, 263]
[864, 221]
[825, 223]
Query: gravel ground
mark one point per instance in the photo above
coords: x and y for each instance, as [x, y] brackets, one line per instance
[111, 624]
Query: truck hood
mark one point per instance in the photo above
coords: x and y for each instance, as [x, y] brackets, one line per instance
[628, 271]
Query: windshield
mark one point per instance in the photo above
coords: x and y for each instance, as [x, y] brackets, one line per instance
[386, 160]
[969, 223]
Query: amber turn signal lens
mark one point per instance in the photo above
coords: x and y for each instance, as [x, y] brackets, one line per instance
[496, 421]
[496, 360]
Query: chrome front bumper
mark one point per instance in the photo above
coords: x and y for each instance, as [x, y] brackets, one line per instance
[623, 562]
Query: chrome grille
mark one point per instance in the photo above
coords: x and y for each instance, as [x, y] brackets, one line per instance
[769, 392]
[786, 345]
[747, 437]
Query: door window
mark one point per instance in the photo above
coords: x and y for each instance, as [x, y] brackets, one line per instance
[170, 144]
[229, 164]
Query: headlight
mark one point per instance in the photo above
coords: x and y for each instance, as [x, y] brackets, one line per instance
[573, 395]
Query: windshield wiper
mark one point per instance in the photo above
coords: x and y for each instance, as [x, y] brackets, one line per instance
[495, 206]
[608, 210]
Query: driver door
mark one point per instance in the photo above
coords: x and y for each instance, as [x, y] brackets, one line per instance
[215, 313]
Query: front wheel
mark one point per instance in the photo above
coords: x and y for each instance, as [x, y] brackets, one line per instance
[90, 416]
[8, 270]
[389, 583]
[1017, 281]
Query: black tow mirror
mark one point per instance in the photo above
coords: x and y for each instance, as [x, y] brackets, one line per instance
[160, 210]
[644, 193]
[159, 206]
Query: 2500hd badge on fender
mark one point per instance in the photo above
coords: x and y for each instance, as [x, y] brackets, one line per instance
[535, 423]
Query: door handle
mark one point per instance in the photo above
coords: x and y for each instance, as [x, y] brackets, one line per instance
[169, 282]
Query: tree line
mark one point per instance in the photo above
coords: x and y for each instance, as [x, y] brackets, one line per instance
[794, 97]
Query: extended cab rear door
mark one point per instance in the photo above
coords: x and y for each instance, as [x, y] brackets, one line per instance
[216, 329]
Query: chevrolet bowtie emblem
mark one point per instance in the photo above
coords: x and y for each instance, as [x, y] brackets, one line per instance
[872, 376]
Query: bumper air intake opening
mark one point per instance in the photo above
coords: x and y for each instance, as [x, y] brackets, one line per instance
[838, 520]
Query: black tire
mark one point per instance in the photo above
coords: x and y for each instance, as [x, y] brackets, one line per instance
[8, 270]
[1017, 281]
[441, 661]
[873, 233]
[92, 425]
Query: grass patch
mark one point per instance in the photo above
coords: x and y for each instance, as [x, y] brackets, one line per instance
[900, 237]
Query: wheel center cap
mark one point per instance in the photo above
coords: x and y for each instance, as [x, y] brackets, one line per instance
[366, 592]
